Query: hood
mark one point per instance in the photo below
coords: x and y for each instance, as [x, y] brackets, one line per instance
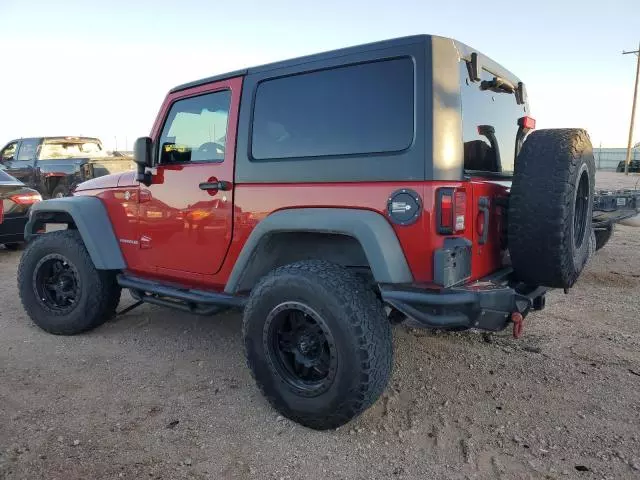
[107, 181]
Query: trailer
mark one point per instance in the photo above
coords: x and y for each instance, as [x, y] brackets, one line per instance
[611, 207]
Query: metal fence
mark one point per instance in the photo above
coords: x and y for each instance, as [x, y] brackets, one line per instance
[610, 158]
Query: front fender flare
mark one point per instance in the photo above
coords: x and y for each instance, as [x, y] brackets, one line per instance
[92, 221]
[375, 234]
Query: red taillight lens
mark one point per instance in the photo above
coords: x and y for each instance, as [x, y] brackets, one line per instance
[446, 211]
[527, 123]
[452, 205]
[26, 198]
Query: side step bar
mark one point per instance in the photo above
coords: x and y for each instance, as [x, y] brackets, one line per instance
[189, 300]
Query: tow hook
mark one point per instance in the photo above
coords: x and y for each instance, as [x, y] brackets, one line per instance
[518, 324]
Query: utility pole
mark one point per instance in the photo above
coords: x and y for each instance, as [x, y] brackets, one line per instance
[633, 109]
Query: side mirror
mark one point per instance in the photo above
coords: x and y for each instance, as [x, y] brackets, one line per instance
[142, 156]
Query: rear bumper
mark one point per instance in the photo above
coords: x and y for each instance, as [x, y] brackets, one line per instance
[485, 305]
[12, 229]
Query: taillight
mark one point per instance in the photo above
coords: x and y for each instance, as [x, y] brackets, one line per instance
[451, 209]
[527, 123]
[26, 198]
[446, 212]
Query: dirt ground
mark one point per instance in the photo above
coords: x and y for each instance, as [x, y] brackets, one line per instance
[164, 395]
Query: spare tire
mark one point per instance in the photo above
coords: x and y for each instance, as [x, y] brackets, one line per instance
[550, 207]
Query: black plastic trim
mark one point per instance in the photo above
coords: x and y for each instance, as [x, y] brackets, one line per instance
[373, 232]
[485, 305]
[441, 192]
[92, 221]
[418, 202]
[214, 78]
[200, 297]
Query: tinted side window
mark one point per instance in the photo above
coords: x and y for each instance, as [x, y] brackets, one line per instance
[365, 108]
[489, 109]
[27, 151]
[8, 153]
[196, 129]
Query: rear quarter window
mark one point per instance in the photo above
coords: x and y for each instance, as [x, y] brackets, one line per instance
[498, 110]
[357, 109]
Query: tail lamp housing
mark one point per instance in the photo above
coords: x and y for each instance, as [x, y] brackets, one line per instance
[451, 208]
[26, 198]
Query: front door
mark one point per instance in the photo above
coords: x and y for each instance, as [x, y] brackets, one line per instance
[22, 165]
[186, 214]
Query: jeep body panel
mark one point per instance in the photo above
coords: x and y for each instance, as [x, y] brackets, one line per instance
[174, 230]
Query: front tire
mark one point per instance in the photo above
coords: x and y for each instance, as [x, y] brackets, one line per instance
[61, 289]
[317, 343]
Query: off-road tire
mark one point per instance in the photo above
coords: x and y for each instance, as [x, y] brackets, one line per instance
[357, 322]
[545, 246]
[603, 236]
[99, 292]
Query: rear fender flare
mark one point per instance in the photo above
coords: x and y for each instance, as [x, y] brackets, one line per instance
[92, 221]
[374, 233]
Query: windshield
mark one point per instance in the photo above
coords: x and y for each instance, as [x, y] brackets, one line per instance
[70, 149]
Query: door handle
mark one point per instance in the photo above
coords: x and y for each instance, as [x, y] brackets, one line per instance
[219, 185]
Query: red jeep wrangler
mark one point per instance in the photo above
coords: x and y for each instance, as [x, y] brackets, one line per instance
[327, 197]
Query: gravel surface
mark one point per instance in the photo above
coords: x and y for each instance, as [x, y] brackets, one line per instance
[165, 395]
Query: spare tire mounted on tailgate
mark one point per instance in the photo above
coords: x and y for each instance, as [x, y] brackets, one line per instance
[550, 207]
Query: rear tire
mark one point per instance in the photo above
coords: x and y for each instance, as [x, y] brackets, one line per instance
[325, 380]
[550, 207]
[61, 289]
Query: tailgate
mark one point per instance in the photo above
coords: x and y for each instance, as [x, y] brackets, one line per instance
[487, 212]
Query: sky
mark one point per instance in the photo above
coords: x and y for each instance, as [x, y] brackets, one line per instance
[102, 68]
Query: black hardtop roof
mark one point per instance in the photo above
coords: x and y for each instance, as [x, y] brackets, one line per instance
[308, 58]
[464, 50]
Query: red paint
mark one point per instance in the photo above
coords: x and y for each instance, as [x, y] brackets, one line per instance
[99, 183]
[128, 179]
[486, 258]
[174, 231]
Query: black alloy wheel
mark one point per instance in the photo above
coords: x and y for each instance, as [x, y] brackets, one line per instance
[56, 283]
[580, 220]
[300, 348]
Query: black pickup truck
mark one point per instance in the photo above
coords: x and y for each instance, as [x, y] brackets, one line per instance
[52, 165]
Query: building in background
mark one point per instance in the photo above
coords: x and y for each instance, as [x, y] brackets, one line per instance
[610, 158]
